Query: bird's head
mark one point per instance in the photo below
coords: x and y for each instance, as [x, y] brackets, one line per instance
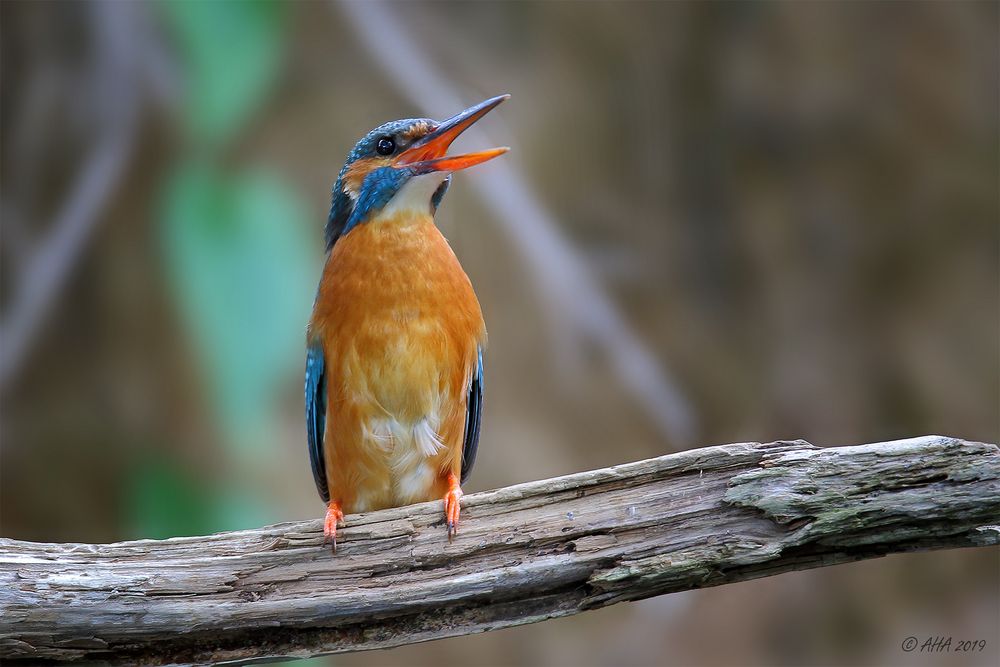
[402, 165]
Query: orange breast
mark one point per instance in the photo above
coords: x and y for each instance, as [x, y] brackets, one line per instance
[400, 327]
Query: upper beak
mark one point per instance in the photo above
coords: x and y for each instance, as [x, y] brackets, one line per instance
[428, 153]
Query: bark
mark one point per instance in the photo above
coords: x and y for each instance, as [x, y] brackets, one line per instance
[523, 554]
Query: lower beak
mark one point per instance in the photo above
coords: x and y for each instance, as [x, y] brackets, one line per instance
[427, 154]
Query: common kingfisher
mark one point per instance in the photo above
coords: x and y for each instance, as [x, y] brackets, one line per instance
[394, 361]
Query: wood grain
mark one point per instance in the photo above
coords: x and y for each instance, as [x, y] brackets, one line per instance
[525, 553]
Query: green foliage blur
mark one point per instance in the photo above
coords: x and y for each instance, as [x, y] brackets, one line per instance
[231, 52]
[237, 256]
[794, 205]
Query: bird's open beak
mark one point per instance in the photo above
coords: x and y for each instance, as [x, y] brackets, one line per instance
[427, 154]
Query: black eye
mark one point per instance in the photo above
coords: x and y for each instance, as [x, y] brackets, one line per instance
[385, 146]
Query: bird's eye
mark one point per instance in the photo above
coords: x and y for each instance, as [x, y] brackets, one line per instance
[385, 146]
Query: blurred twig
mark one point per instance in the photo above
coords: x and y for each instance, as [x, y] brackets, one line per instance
[526, 553]
[113, 37]
[572, 297]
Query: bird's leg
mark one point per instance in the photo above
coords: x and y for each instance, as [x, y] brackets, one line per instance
[334, 516]
[451, 505]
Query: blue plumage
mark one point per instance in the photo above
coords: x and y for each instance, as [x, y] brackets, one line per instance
[342, 208]
[379, 187]
[316, 416]
[473, 418]
[414, 445]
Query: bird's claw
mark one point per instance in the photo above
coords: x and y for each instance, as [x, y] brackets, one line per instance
[452, 506]
[334, 516]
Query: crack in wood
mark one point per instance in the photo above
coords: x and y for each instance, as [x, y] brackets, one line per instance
[526, 553]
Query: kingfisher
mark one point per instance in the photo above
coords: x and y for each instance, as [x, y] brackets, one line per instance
[394, 347]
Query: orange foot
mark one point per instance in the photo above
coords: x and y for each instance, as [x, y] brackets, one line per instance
[451, 505]
[333, 517]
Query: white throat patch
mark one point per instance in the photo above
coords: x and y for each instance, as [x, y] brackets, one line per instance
[415, 195]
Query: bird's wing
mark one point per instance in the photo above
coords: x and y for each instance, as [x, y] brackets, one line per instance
[316, 415]
[473, 417]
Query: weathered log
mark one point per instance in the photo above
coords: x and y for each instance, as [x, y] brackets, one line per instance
[524, 553]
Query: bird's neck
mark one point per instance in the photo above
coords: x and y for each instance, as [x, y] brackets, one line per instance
[399, 223]
[413, 198]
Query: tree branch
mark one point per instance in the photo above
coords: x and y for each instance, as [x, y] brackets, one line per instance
[525, 553]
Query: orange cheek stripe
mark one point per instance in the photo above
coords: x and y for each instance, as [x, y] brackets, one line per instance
[359, 169]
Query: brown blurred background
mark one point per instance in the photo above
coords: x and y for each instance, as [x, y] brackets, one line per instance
[783, 217]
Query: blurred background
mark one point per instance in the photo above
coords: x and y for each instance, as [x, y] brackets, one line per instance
[718, 223]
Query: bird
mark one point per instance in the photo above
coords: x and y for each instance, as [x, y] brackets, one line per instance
[394, 346]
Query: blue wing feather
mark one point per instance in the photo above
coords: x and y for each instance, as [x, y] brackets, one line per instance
[316, 416]
[473, 418]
